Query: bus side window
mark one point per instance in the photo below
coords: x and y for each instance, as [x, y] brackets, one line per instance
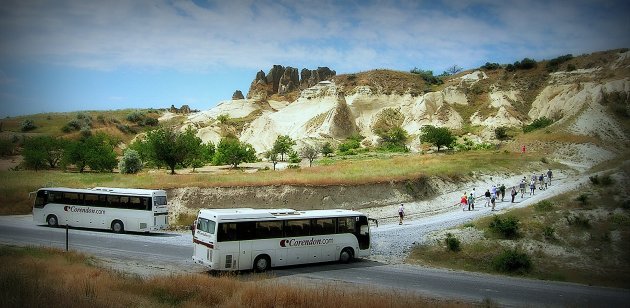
[145, 205]
[91, 200]
[41, 200]
[73, 198]
[113, 201]
[346, 225]
[227, 232]
[135, 204]
[245, 230]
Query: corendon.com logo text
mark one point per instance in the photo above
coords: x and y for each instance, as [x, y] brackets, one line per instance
[86, 210]
[308, 242]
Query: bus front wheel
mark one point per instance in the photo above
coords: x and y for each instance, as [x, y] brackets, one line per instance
[52, 220]
[346, 255]
[118, 226]
[262, 263]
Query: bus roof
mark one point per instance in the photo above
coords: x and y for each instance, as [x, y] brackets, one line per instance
[107, 191]
[249, 214]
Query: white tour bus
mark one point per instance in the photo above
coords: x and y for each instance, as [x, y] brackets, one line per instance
[242, 239]
[118, 209]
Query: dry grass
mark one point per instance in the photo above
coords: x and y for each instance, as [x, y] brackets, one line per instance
[16, 185]
[384, 81]
[594, 250]
[32, 277]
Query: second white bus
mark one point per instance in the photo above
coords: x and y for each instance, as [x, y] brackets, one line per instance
[117, 209]
[244, 239]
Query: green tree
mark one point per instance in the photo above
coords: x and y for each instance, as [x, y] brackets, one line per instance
[130, 162]
[207, 152]
[233, 152]
[438, 136]
[47, 149]
[272, 156]
[388, 127]
[327, 149]
[28, 125]
[282, 145]
[309, 152]
[294, 157]
[95, 151]
[172, 148]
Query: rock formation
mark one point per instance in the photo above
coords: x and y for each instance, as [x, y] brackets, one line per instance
[283, 80]
[237, 95]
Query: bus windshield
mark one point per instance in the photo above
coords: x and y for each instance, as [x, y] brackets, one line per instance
[160, 200]
[206, 225]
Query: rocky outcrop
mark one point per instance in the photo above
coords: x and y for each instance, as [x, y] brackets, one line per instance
[237, 95]
[184, 110]
[283, 80]
[310, 78]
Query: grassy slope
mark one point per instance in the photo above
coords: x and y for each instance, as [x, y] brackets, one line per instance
[34, 277]
[593, 236]
[371, 168]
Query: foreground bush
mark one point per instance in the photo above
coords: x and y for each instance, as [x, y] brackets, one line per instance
[130, 162]
[512, 261]
[507, 227]
[452, 243]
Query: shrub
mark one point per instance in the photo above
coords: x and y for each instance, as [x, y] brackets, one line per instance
[6, 147]
[72, 125]
[594, 179]
[130, 162]
[135, 117]
[148, 121]
[582, 198]
[544, 206]
[507, 227]
[579, 221]
[490, 66]
[512, 261]
[537, 124]
[427, 76]
[501, 133]
[100, 118]
[525, 64]
[548, 232]
[125, 129]
[554, 63]
[28, 125]
[452, 243]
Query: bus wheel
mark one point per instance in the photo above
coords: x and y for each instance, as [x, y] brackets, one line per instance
[117, 226]
[262, 263]
[346, 255]
[51, 220]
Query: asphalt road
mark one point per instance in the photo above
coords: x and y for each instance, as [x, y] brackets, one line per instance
[173, 250]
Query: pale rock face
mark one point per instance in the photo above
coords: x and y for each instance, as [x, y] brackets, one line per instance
[209, 134]
[453, 95]
[473, 77]
[503, 98]
[233, 108]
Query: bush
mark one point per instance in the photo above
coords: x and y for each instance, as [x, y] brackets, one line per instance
[507, 227]
[130, 162]
[548, 232]
[501, 133]
[582, 198]
[490, 66]
[579, 221]
[525, 64]
[554, 63]
[512, 261]
[148, 121]
[605, 180]
[452, 243]
[537, 124]
[427, 76]
[135, 117]
[544, 206]
[6, 147]
[72, 125]
[28, 125]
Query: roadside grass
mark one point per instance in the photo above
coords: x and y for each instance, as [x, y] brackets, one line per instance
[565, 240]
[379, 168]
[39, 277]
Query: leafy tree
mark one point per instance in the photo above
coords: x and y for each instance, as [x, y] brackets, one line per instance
[294, 157]
[272, 156]
[327, 149]
[207, 152]
[537, 124]
[282, 145]
[43, 150]
[438, 136]
[490, 66]
[173, 148]
[395, 138]
[147, 155]
[95, 151]
[427, 76]
[130, 162]
[233, 152]
[452, 70]
[309, 152]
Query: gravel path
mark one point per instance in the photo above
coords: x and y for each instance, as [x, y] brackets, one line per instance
[392, 242]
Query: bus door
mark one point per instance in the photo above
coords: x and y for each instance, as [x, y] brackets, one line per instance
[363, 232]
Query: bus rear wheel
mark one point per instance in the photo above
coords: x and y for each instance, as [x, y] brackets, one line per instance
[52, 221]
[262, 264]
[118, 226]
[346, 255]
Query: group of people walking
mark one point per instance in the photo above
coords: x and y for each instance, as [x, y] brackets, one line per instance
[491, 195]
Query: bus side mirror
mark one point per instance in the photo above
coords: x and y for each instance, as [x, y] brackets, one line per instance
[364, 230]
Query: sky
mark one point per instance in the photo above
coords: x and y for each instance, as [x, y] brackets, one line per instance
[71, 55]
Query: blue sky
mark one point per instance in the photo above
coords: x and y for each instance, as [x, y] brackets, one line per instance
[69, 55]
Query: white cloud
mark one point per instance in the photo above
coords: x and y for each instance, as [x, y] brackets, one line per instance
[256, 34]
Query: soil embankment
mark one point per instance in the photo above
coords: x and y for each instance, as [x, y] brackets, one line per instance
[190, 199]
